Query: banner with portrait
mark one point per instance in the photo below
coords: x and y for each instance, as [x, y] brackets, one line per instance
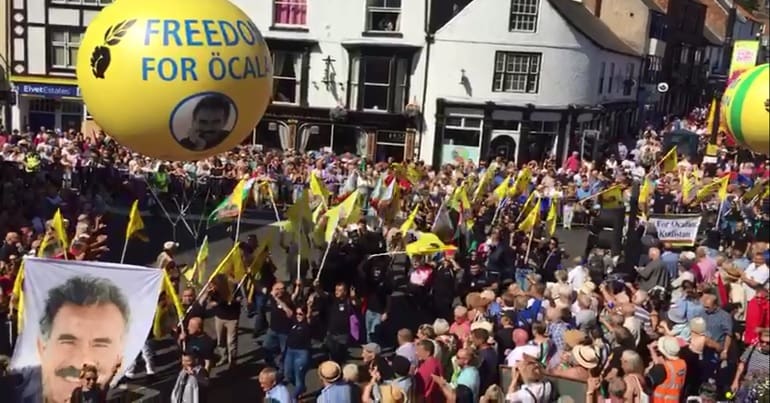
[678, 230]
[79, 313]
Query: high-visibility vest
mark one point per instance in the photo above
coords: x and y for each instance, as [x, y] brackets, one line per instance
[31, 163]
[671, 388]
[161, 178]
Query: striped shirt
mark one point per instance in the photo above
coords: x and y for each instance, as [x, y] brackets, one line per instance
[757, 363]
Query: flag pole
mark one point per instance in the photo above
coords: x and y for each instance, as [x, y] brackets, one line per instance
[299, 255]
[238, 226]
[529, 245]
[125, 248]
[323, 259]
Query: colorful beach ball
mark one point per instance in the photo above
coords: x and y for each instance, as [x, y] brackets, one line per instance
[746, 109]
[175, 79]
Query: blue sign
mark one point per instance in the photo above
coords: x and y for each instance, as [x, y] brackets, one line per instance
[52, 91]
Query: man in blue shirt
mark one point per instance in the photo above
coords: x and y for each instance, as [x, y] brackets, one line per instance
[334, 390]
[274, 392]
[670, 260]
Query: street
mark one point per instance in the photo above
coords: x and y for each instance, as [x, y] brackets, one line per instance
[240, 384]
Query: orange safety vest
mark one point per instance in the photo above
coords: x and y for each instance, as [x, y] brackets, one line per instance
[671, 388]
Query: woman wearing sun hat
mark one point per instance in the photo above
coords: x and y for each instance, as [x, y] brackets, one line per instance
[667, 376]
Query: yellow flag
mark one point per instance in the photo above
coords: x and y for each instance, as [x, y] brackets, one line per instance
[553, 215]
[502, 189]
[171, 293]
[61, 232]
[332, 223]
[236, 267]
[612, 198]
[201, 260]
[710, 122]
[670, 161]
[723, 188]
[715, 186]
[318, 189]
[755, 191]
[522, 183]
[484, 182]
[135, 223]
[687, 187]
[237, 196]
[645, 191]
[532, 219]
[350, 209]
[427, 243]
[409, 223]
[18, 292]
[158, 330]
[43, 246]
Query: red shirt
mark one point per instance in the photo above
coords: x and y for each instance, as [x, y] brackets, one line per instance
[431, 390]
[757, 316]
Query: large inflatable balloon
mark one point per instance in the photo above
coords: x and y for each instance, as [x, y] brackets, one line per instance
[746, 109]
[175, 79]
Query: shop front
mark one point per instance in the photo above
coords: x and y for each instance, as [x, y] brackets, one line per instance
[519, 133]
[49, 107]
[378, 136]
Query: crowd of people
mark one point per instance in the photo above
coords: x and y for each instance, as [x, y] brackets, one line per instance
[506, 315]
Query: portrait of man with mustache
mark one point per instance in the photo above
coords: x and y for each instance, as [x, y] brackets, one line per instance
[85, 321]
[210, 118]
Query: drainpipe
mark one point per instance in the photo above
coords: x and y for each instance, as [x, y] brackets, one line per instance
[428, 42]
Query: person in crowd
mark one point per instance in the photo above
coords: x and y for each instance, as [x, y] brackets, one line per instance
[297, 355]
[275, 392]
[89, 390]
[281, 314]
[192, 381]
[335, 390]
[195, 342]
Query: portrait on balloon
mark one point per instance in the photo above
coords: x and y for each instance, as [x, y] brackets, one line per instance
[202, 121]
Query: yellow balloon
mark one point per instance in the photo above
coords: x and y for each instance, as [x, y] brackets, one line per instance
[175, 79]
[746, 109]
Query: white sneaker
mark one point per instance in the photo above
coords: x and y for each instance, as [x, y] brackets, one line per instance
[149, 372]
[130, 375]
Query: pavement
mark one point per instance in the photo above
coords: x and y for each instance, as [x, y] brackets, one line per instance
[239, 384]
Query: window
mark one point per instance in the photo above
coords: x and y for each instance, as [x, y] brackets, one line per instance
[64, 48]
[628, 83]
[286, 76]
[516, 72]
[658, 26]
[379, 83]
[601, 77]
[84, 2]
[462, 130]
[383, 15]
[612, 77]
[290, 12]
[524, 15]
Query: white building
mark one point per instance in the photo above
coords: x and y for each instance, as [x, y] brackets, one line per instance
[345, 71]
[520, 78]
[44, 38]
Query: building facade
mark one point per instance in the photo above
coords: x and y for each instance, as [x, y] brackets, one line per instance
[45, 37]
[524, 79]
[345, 74]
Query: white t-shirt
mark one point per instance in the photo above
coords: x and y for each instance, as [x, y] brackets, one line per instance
[759, 274]
[576, 277]
[517, 354]
[539, 392]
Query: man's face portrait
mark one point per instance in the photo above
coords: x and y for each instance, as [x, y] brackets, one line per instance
[84, 323]
[208, 123]
[209, 120]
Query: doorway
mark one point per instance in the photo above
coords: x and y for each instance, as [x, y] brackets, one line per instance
[503, 145]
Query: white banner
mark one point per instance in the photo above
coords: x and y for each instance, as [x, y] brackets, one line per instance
[678, 230]
[79, 313]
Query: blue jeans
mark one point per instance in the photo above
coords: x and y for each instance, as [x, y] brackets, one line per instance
[371, 321]
[258, 309]
[295, 363]
[275, 346]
